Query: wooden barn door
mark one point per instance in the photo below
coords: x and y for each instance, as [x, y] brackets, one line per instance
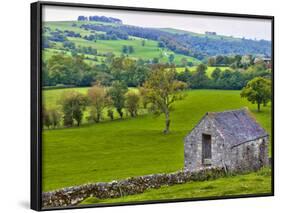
[206, 149]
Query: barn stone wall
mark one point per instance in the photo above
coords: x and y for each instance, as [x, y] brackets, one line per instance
[251, 155]
[193, 145]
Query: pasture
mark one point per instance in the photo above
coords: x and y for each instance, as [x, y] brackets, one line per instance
[133, 146]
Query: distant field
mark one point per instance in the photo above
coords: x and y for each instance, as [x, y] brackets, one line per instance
[52, 96]
[240, 185]
[130, 147]
[47, 53]
[208, 71]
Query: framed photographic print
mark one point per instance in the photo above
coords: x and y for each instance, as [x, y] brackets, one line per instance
[141, 105]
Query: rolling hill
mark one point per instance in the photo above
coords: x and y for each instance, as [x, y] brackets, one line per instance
[148, 51]
[146, 43]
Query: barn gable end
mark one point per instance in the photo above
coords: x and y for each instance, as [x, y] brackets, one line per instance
[194, 146]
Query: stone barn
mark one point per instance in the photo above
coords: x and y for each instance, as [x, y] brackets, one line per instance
[232, 140]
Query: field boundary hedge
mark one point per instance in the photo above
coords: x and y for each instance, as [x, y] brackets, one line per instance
[59, 86]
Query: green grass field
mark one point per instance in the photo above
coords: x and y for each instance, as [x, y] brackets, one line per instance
[254, 183]
[131, 147]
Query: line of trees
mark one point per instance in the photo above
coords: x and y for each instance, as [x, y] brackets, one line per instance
[222, 79]
[157, 95]
[73, 70]
[128, 49]
[99, 19]
[233, 61]
[73, 104]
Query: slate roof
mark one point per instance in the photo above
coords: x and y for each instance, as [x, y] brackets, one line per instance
[237, 126]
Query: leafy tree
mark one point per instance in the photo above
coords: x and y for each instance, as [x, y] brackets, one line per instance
[127, 49]
[155, 60]
[220, 60]
[184, 76]
[224, 80]
[171, 58]
[184, 62]
[45, 74]
[104, 78]
[68, 45]
[51, 117]
[117, 94]
[211, 61]
[237, 80]
[46, 118]
[98, 101]
[216, 73]
[73, 105]
[131, 72]
[246, 60]
[144, 96]
[109, 57]
[161, 44]
[162, 90]
[199, 77]
[124, 49]
[132, 102]
[68, 70]
[82, 18]
[258, 91]
[110, 114]
[139, 75]
[130, 49]
[55, 117]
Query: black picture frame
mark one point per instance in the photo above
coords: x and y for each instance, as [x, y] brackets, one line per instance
[36, 99]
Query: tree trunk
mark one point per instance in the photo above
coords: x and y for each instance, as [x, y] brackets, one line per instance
[120, 112]
[98, 117]
[259, 107]
[167, 123]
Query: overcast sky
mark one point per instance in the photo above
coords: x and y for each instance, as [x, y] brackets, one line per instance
[237, 27]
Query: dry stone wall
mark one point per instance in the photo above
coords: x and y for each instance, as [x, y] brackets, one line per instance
[73, 195]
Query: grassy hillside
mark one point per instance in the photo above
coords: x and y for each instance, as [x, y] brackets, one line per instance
[149, 51]
[130, 147]
[240, 185]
